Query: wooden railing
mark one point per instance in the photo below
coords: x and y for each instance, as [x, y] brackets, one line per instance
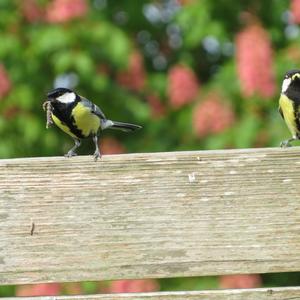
[152, 215]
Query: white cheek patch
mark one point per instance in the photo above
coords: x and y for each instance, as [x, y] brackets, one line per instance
[67, 98]
[285, 84]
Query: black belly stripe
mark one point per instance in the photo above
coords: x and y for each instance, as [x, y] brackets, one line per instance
[293, 93]
[64, 113]
[297, 117]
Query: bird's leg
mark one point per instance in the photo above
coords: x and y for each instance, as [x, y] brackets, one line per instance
[72, 152]
[287, 143]
[97, 153]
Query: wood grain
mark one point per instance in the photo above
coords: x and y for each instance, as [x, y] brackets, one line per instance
[149, 215]
[289, 293]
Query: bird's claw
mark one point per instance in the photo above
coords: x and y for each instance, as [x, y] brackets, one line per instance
[70, 154]
[97, 155]
[285, 144]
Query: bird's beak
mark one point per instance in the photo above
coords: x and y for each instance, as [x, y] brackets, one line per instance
[50, 99]
[296, 76]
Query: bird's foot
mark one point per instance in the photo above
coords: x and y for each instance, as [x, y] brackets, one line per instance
[97, 155]
[70, 154]
[285, 144]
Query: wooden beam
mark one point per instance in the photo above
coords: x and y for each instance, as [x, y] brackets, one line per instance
[288, 293]
[149, 215]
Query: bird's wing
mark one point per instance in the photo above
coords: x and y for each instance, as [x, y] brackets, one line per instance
[93, 107]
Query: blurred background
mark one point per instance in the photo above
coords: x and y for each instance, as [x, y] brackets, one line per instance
[196, 74]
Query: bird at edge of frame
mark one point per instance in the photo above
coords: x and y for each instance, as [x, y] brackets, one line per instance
[79, 118]
[289, 105]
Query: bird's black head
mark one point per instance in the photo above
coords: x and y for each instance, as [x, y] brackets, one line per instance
[58, 92]
[291, 81]
[62, 95]
[291, 73]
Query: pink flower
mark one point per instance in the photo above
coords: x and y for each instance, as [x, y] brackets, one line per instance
[295, 9]
[31, 11]
[212, 115]
[156, 105]
[59, 11]
[134, 77]
[239, 281]
[109, 145]
[43, 289]
[183, 86]
[5, 83]
[254, 62]
[133, 286]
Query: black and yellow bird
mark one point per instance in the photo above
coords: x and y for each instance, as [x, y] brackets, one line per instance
[289, 105]
[80, 118]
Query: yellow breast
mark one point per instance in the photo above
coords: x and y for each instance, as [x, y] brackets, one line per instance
[63, 127]
[85, 120]
[287, 108]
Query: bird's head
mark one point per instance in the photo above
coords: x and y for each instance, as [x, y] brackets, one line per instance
[62, 95]
[291, 79]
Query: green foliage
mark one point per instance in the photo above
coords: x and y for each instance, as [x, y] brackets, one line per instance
[196, 283]
[95, 49]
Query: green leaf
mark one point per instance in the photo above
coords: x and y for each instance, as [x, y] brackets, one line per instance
[49, 39]
[245, 132]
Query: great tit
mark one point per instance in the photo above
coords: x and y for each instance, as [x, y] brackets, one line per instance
[289, 105]
[80, 118]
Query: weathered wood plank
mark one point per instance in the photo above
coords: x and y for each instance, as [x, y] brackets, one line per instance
[288, 293]
[149, 215]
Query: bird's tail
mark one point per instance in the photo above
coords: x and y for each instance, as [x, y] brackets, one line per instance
[120, 126]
